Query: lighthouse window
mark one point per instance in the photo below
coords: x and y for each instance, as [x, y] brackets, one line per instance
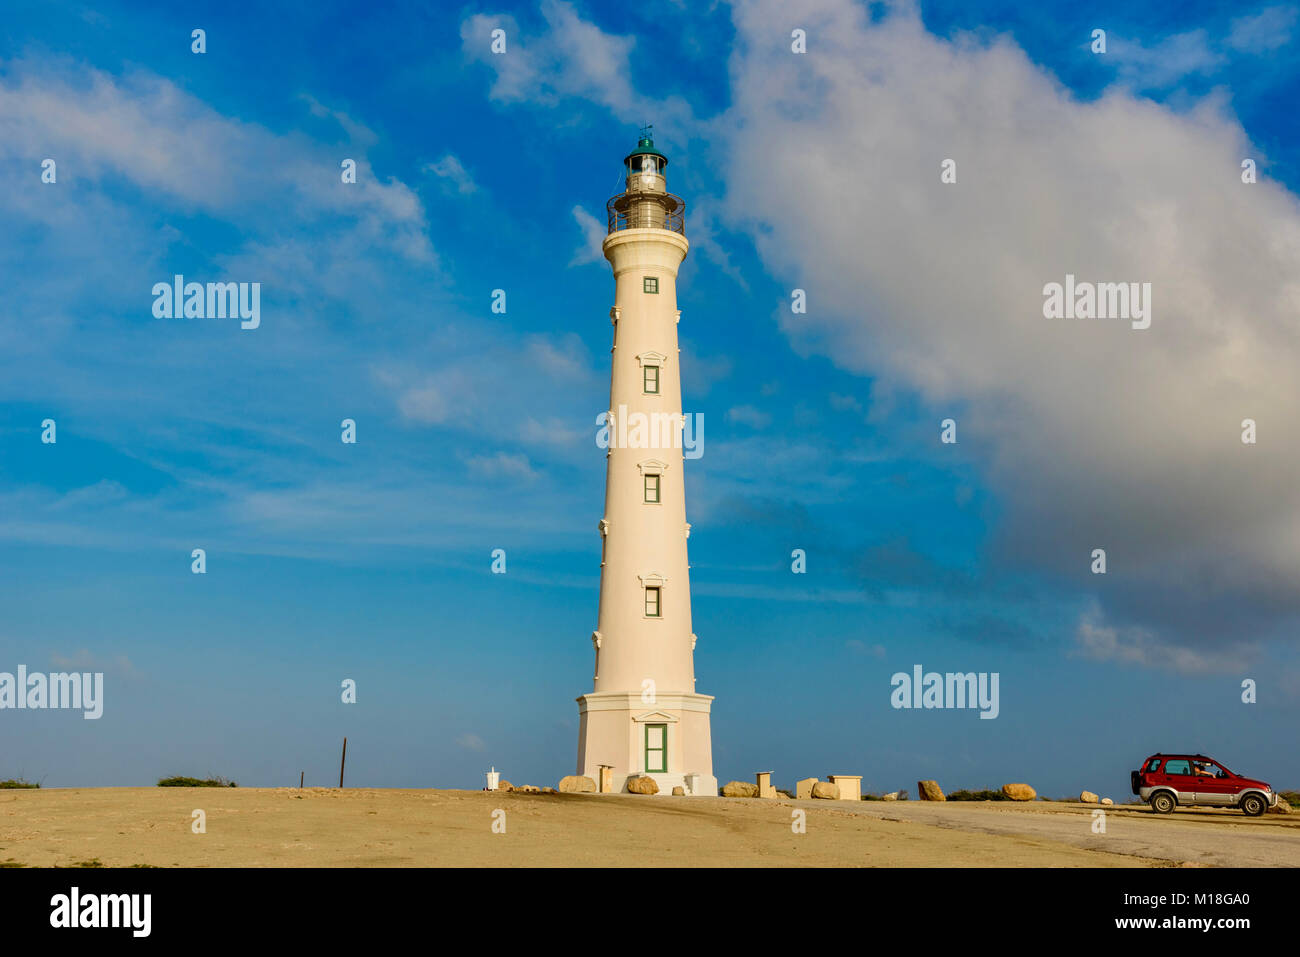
[652, 609]
[652, 489]
[650, 284]
[651, 375]
[656, 748]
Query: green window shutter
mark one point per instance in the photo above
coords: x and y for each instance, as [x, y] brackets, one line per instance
[651, 380]
[650, 284]
[652, 489]
[656, 748]
[652, 609]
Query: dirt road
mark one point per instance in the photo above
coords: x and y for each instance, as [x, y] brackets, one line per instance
[249, 827]
[1213, 837]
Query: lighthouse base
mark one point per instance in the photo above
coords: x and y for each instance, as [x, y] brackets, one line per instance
[668, 740]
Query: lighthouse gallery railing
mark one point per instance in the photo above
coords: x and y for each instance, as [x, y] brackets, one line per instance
[665, 211]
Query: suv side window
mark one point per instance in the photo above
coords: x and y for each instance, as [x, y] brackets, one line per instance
[1153, 765]
[1179, 766]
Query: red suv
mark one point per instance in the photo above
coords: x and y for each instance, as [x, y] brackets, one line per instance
[1168, 780]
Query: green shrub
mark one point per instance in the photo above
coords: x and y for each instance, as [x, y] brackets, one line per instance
[182, 782]
[977, 796]
[17, 783]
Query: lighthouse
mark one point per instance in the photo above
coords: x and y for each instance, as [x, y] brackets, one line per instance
[643, 716]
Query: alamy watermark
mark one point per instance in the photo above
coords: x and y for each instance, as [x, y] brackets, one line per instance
[62, 689]
[652, 430]
[179, 299]
[1102, 300]
[75, 909]
[951, 690]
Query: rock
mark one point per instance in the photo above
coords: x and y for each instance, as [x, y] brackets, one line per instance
[679, 791]
[504, 785]
[1107, 801]
[930, 791]
[1087, 797]
[549, 791]
[803, 789]
[1019, 792]
[1282, 807]
[527, 788]
[891, 796]
[642, 784]
[739, 789]
[825, 791]
[576, 784]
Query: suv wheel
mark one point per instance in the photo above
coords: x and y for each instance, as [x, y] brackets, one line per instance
[1163, 803]
[1253, 805]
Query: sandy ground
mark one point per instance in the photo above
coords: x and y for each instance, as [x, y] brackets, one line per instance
[255, 827]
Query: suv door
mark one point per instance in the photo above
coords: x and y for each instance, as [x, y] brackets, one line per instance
[1177, 774]
[1220, 789]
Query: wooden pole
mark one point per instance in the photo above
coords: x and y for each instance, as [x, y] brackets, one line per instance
[301, 777]
[343, 761]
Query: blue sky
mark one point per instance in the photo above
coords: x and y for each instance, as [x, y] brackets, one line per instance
[817, 171]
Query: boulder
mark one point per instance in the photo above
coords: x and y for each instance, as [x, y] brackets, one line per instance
[527, 788]
[504, 785]
[1107, 801]
[679, 791]
[642, 784]
[1283, 807]
[825, 791]
[576, 784]
[891, 796]
[1087, 797]
[1019, 792]
[930, 791]
[739, 789]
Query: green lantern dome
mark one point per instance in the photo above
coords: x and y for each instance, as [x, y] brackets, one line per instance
[646, 147]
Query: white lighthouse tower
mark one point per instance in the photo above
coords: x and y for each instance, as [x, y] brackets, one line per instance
[644, 717]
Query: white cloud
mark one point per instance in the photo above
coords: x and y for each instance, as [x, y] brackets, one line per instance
[750, 416]
[704, 239]
[542, 391]
[593, 238]
[501, 465]
[1263, 32]
[1161, 64]
[451, 169]
[1139, 646]
[143, 129]
[570, 58]
[1091, 433]
[471, 742]
[425, 404]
